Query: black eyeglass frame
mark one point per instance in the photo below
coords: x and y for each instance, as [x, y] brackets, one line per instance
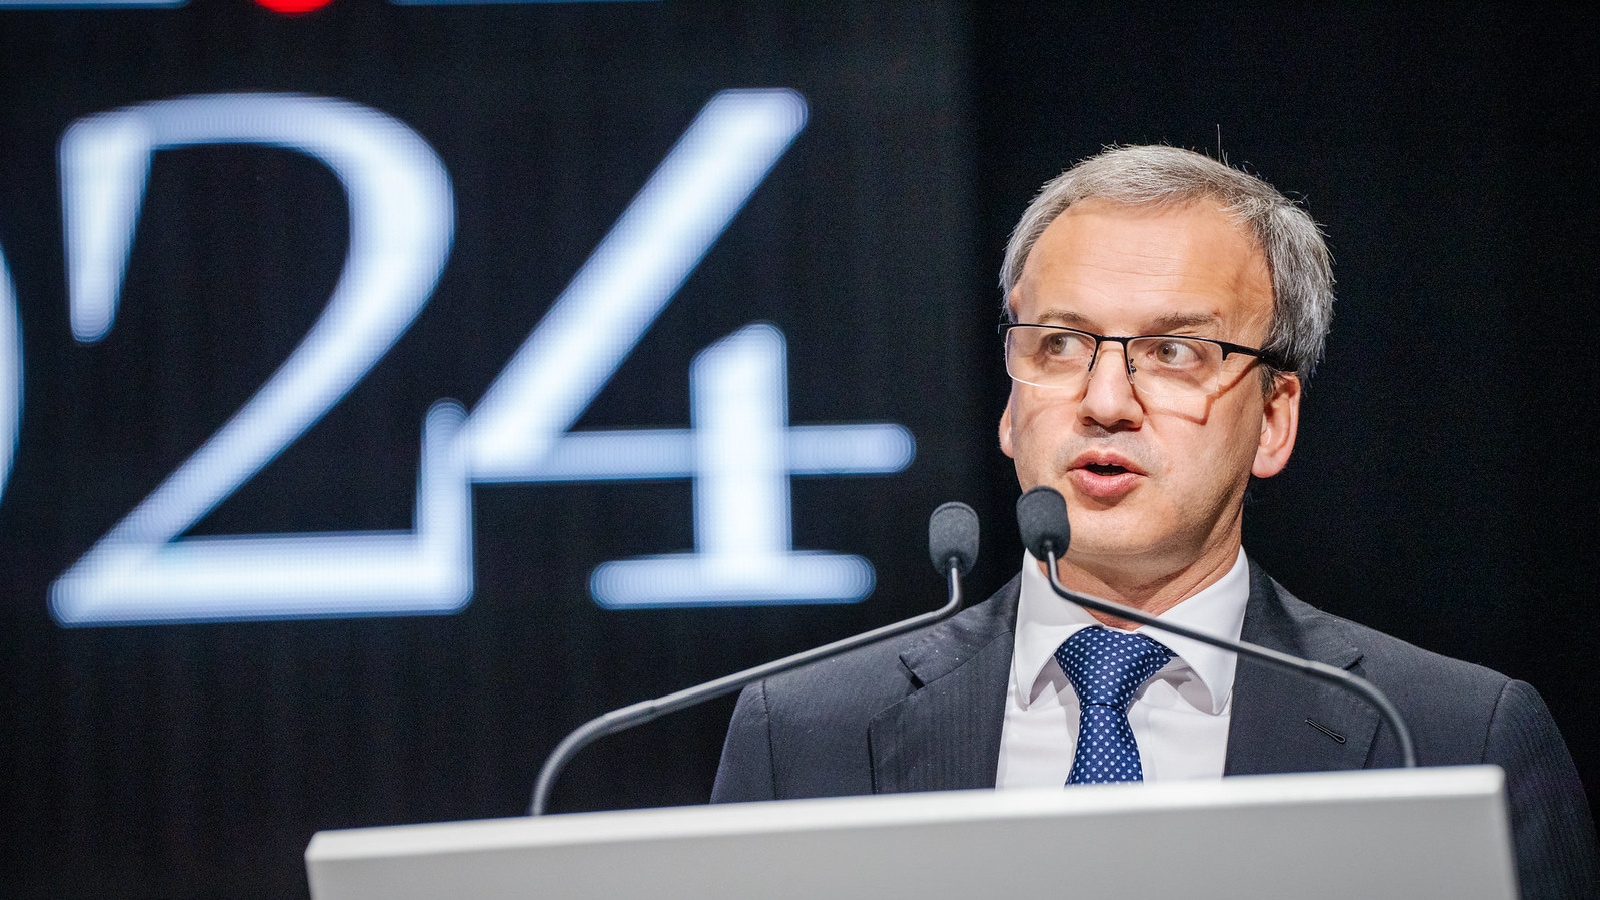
[1267, 357]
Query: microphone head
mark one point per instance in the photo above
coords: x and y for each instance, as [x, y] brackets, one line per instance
[1042, 519]
[953, 534]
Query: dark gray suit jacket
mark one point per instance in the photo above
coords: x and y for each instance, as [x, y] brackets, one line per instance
[923, 713]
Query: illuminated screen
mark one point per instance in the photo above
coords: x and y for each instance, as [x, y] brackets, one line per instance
[315, 324]
[502, 351]
[388, 387]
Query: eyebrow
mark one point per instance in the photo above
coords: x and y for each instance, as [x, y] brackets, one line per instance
[1160, 325]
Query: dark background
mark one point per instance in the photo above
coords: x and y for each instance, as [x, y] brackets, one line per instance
[1440, 489]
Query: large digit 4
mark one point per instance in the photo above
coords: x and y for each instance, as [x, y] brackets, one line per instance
[401, 225]
[629, 279]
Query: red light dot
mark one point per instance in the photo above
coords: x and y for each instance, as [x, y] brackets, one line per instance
[293, 7]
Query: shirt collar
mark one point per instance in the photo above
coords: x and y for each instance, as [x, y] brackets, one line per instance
[1044, 620]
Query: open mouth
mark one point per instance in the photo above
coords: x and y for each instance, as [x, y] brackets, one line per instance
[1099, 469]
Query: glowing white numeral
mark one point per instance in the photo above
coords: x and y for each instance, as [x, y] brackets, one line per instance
[740, 452]
[629, 279]
[519, 430]
[742, 448]
[10, 373]
[401, 223]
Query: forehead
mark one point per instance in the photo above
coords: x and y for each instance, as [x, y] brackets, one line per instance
[1124, 269]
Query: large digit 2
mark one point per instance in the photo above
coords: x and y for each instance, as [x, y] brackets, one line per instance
[401, 226]
[10, 373]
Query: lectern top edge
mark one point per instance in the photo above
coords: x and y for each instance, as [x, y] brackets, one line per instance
[904, 809]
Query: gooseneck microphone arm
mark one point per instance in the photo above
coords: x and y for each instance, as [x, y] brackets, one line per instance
[1042, 516]
[952, 544]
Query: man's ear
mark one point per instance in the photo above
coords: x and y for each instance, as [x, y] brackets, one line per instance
[1005, 432]
[1280, 421]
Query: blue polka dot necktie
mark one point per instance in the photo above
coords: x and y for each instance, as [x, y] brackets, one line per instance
[1106, 668]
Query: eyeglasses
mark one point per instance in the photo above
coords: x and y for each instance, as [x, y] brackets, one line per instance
[1164, 366]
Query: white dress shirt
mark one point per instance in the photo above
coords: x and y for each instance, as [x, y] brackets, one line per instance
[1180, 717]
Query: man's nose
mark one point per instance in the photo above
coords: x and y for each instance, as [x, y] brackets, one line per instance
[1108, 398]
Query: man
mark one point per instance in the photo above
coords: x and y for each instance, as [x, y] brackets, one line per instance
[1164, 312]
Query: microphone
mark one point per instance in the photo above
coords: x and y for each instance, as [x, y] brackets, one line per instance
[1042, 519]
[953, 539]
[953, 548]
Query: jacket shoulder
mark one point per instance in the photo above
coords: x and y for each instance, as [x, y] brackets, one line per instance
[1400, 668]
[1461, 713]
[865, 680]
[804, 733]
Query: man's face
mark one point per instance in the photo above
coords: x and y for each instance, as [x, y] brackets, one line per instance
[1152, 488]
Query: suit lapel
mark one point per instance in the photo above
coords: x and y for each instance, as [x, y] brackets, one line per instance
[1283, 722]
[945, 735]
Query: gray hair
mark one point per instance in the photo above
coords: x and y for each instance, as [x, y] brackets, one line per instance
[1297, 256]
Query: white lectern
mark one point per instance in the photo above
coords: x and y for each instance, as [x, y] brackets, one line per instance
[1387, 834]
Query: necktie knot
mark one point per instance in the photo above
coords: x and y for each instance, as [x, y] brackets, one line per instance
[1106, 668]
